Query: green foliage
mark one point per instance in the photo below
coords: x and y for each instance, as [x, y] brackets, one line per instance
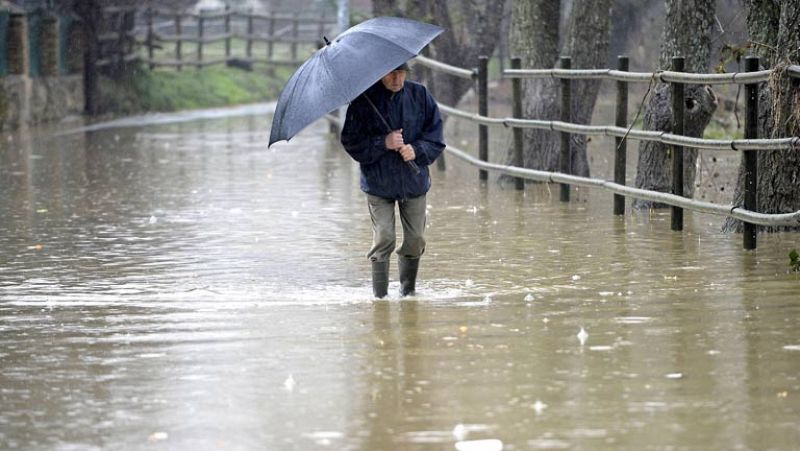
[794, 260]
[145, 90]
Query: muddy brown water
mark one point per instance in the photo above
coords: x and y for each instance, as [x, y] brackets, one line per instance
[169, 283]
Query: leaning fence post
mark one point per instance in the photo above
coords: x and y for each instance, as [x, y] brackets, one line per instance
[566, 116]
[483, 110]
[516, 94]
[678, 106]
[620, 152]
[750, 156]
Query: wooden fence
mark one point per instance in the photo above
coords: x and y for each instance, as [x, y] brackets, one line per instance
[622, 131]
[224, 37]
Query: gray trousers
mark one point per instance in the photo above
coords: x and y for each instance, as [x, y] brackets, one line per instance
[412, 217]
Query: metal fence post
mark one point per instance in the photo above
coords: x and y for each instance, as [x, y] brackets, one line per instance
[483, 110]
[565, 161]
[516, 93]
[620, 152]
[750, 156]
[678, 106]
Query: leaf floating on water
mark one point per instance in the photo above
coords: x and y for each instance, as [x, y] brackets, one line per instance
[479, 445]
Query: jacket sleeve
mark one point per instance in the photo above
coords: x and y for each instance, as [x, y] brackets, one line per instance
[363, 147]
[431, 142]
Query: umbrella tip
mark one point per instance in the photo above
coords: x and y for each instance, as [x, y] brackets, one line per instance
[327, 42]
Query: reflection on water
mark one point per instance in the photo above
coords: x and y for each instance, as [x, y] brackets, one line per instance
[161, 282]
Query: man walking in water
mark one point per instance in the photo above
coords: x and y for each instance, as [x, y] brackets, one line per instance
[393, 123]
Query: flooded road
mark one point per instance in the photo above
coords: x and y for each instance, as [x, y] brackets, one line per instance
[170, 283]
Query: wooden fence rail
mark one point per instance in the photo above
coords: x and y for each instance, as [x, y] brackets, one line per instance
[622, 131]
[198, 29]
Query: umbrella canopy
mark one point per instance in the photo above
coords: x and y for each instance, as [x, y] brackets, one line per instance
[339, 72]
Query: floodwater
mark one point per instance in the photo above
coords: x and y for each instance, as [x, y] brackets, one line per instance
[169, 283]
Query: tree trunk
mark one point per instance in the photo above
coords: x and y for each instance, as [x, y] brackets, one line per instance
[687, 33]
[774, 29]
[534, 36]
[460, 45]
[534, 39]
[588, 38]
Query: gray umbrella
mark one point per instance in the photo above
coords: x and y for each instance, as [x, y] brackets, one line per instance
[339, 72]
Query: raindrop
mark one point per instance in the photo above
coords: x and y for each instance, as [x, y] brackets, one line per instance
[529, 298]
[469, 283]
[459, 432]
[289, 383]
[158, 437]
[582, 336]
[792, 348]
[152, 220]
[674, 376]
[576, 277]
[538, 407]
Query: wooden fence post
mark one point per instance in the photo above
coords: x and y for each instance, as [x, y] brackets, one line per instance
[295, 29]
[516, 108]
[49, 45]
[200, 23]
[271, 33]
[620, 152]
[18, 52]
[227, 32]
[150, 36]
[565, 161]
[483, 110]
[750, 231]
[178, 32]
[678, 106]
[249, 48]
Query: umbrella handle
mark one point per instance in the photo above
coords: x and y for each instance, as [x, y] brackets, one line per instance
[411, 165]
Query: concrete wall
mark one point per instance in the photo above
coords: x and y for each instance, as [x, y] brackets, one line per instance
[27, 101]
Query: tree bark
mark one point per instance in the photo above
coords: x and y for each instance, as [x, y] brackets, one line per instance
[535, 38]
[687, 33]
[774, 29]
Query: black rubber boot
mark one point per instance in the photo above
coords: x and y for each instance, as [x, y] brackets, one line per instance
[380, 279]
[408, 275]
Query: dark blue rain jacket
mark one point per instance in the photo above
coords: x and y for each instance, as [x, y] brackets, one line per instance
[383, 171]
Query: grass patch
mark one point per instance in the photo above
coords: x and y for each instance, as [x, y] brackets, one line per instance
[160, 90]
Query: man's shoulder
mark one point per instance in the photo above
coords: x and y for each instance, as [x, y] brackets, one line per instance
[418, 91]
